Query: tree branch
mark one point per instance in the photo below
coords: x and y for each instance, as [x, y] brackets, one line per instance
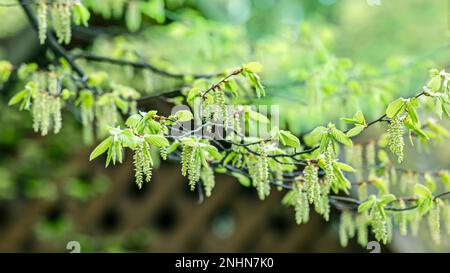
[139, 65]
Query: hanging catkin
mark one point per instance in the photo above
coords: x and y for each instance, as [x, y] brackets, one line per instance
[395, 137]
[42, 20]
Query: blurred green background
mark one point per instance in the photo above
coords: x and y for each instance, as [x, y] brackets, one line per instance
[314, 53]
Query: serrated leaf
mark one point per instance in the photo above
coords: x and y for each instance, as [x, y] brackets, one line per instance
[315, 135]
[340, 136]
[128, 139]
[101, 148]
[326, 138]
[355, 130]
[386, 199]
[343, 166]
[359, 116]
[395, 107]
[435, 83]
[133, 120]
[157, 140]
[380, 184]
[288, 139]
[212, 151]
[367, 205]
[184, 115]
[422, 191]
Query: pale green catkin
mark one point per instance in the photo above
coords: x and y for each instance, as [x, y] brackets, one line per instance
[45, 122]
[66, 21]
[236, 125]
[402, 219]
[207, 176]
[148, 80]
[347, 228]
[37, 111]
[42, 20]
[362, 231]
[379, 226]
[301, 205]
[312, 183]
[389, 229]
[370, 157]
[185, 159]
[395, 137]
[362, 191]
[393, 176]
[194, 167]
[434, 222]
[357, 162]
[446, 216]
[87, 118]
[106, 115]
[322, 207]
[138, 158]
[219, 99]
[328, 164]
[258, 167]
[163, 152]
[55, 12]
[264, 185]
[415, 218]
[56, 113]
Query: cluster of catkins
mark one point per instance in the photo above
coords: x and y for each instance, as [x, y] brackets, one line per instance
[61, 14]
[191, 164]
[311, 191]
[192, 167]
[258, 169]
[142, 163]
[46, 107]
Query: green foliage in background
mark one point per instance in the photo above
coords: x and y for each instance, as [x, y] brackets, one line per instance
[205, 53]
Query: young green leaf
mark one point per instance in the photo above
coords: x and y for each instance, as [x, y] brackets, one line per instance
[343, 166]
[365, 206]
[386, 199]
[287, 138]
[355, 130]
[101, 148]
[340, 136]
[413, 114]
[184, 115]
[253, 67]
[18, 97]
[395, 107]
[157, 140]
[244, 180]
[81, 14]
[422, 191]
